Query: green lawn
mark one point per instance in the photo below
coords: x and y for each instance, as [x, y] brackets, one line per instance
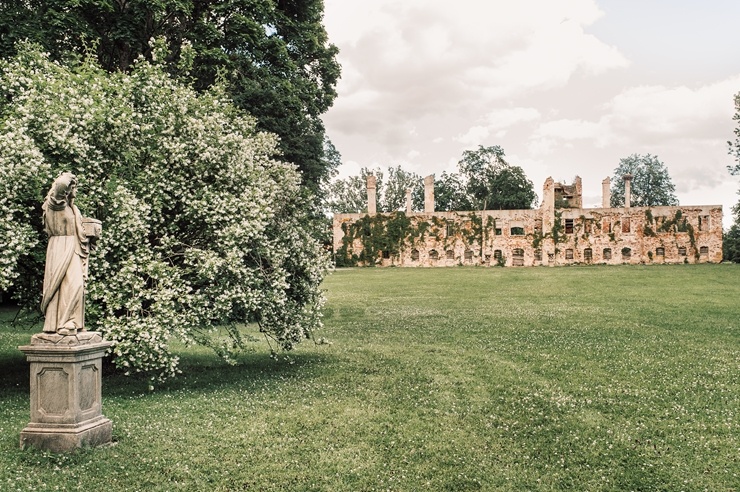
[572, 378]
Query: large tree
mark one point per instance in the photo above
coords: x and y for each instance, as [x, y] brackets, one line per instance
[494, 184]
[349, 195]
[731, 243]
[395, 186]
[651, 185]
[274, 54]
[202, 225]
[735, 146]
[450, 193]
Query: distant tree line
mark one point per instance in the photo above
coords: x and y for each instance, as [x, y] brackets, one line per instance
[484, 181]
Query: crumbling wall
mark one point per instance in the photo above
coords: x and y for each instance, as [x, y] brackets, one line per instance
[547, 236]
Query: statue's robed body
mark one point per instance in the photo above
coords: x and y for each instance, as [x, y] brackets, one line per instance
[66, 259]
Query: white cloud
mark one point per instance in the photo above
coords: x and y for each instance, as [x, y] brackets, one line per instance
[497, 123]
[423, 80]
[675, 112]
[504, 118]
[421, 58]
[474, 136]
[599, 133]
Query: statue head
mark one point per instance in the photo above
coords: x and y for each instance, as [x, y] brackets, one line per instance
[62, 191]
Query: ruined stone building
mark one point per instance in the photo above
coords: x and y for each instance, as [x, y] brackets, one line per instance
[559, 232]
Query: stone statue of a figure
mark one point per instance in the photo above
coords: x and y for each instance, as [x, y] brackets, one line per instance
[70, 237]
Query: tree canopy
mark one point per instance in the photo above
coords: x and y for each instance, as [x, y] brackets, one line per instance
[731, 240]
[202, 225]
[349, 195]
[274, 55]
[494, 184]
[485, 182]
[651, 184]
[450, 193]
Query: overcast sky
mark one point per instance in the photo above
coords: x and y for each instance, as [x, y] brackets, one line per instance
[566, 87]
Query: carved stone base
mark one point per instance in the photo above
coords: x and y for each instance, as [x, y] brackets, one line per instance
[66, 396]
[62, 438]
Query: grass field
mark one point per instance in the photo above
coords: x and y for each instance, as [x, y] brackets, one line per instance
[573, 378]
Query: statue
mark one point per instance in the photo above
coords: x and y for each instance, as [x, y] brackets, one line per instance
[66, 360]
[70, 239]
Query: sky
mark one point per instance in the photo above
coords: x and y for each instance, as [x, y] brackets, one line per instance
[566, 87]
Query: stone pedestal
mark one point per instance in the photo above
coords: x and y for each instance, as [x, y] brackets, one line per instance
[66, 396]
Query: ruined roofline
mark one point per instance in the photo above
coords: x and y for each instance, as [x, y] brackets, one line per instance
[507, 210]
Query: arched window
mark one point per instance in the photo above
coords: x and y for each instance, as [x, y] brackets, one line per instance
[433, 255]
[704, 250]
[468, 255]
[414, 255]
[588, 254]
[449, 254]
[497, 254]
[682, 251]
[626, 253]
[607, 253]
[568, 254]
[659, 251]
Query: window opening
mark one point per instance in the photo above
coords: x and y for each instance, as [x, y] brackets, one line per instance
[518, 257]
[703, 222]
[625, 224]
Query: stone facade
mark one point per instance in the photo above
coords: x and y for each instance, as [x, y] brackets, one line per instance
[560, 232]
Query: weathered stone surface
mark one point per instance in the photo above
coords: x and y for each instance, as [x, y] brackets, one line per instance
[371, 194]
[549, 235]
[81, 338]
[71, 237]
[66, 392]
[66, 438]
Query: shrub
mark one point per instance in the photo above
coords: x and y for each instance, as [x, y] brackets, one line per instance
[202, 225]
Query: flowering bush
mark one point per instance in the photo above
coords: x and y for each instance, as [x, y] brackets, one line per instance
[201, 224]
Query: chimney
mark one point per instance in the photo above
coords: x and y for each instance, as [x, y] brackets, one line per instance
[408, 200]
[371, 188]
[429, 194]
[627, 190]
[606, 193]
[578, 192]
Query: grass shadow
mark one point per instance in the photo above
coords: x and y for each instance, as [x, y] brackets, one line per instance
[204, 373]
[15, 371]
